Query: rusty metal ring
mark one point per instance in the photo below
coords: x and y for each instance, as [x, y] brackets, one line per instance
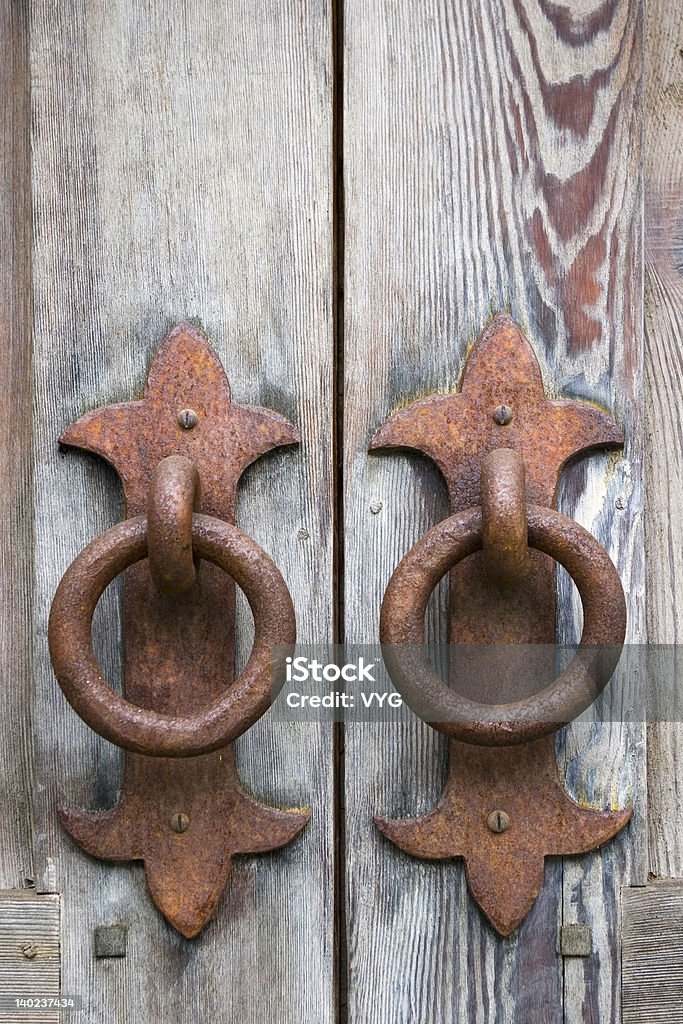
[173, 495]
[402, 631]
[142, 730]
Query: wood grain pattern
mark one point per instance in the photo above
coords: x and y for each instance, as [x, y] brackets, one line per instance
[653, 953]
[15, 449]
[491, 161]
[182, 169]
[29, 955]
[663, 174]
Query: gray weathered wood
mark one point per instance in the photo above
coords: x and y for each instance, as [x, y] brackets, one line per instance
[652, 953]
[29, 956]
[15, 448]
[491, 161]
[663, 172]
[182, 169]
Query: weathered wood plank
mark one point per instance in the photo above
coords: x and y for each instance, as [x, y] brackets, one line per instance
[652, 953]
[15, 447]
[663, 179]
[491, 161]
[182, 169]
[29, 956]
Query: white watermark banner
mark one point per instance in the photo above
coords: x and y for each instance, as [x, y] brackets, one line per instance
[352, 682]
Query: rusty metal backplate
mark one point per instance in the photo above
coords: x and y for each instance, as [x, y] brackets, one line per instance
[185, 818]
[501, 404]
[504, 857]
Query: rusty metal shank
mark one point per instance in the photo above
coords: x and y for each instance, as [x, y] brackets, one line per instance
[173, 495]
[503, 508]
[140, 729]
[402, 631]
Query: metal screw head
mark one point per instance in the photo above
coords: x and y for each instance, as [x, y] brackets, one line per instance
[375, 507]
[179, 822]
[30, 950]
[498, 821]
[502, 415]
[187, 419]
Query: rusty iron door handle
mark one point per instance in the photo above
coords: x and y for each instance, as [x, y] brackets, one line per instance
[500, 444]
[402, 616]
[179, 452]
[142, 730]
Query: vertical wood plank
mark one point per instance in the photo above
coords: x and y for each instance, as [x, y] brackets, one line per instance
[663, 174]
[16, 541]
[491, 161]
[182, 169]
[653, 953]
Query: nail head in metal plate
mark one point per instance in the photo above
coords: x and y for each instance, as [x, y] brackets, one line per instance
[187, 419]
[180, 822]
[498, 821]
[502, 415]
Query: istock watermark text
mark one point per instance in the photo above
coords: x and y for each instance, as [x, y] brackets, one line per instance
[336, 683]
[301, 669]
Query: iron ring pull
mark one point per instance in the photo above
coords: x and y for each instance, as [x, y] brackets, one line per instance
[496, 527]
[170, 535]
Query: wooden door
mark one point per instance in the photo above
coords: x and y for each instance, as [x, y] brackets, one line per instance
[342, 192]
